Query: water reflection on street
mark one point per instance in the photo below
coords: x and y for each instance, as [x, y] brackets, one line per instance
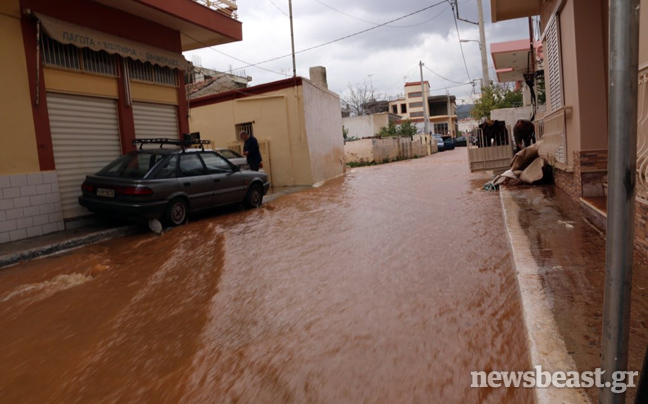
[388, 285]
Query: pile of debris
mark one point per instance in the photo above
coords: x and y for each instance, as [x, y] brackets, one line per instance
[527, 167]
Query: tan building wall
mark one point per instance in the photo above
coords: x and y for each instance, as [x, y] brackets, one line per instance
[290, 122]
[584, 69]
[387, 149]
[643, 33]
[18, 154]
[359, 151]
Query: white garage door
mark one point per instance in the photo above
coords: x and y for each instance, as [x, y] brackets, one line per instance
[85, 137]
[154, 121]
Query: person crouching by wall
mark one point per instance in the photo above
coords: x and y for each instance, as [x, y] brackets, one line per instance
[251, 151]
[524, 134]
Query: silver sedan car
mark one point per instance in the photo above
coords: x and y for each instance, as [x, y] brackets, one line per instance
[169, 183]
[234, 157]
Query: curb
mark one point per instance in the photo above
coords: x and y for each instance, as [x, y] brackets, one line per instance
[546, 345]
[68, 244]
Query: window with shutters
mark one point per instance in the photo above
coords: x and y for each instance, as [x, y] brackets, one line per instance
[554, 64]
[56, 54]
[151, 73]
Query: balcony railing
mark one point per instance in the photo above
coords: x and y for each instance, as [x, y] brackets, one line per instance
[227, 7]
[642, 133]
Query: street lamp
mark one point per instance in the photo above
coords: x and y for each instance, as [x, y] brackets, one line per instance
[485, 79]
[472, 40]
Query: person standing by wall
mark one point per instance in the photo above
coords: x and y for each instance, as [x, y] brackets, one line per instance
[251, 150]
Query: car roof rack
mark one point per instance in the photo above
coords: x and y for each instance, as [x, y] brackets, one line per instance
[176, 142]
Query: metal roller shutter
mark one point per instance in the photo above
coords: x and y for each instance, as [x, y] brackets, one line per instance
[153, 121]
[85, 137]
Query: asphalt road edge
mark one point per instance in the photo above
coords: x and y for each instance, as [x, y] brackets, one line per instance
[546, 345]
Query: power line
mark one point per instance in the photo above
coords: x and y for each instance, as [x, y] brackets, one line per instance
[230, 56]
[461, 47]
[375, 23]
[277, 7]
[343, 13]
[445, 88]
[345, 37]
[452, 81]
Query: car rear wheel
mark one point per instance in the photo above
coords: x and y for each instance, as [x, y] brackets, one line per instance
[254, 197]
[176, 213]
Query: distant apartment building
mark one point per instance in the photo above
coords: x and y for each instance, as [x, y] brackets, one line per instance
[442, 109]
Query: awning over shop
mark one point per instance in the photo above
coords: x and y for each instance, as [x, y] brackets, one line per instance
[82, 37]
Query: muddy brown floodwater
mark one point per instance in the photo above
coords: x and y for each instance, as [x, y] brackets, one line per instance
[388, 285]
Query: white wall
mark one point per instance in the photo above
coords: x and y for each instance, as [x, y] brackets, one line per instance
[359, 126]
[323, 125]
[365, 125]
[511, 115]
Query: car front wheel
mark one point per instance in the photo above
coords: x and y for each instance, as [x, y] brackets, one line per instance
[254, 197]
[176, 213]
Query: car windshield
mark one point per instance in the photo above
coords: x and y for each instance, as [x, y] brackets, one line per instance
[132, 165]
[229, 154]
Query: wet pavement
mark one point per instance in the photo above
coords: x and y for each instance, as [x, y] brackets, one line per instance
[388, 285]
[570, 256]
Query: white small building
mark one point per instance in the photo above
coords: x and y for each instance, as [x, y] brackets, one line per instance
[368, 125]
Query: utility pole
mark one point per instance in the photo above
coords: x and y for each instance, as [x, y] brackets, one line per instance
[450, 128]
[622, 162]
[426, 119]
[482, 45]
[292, 38]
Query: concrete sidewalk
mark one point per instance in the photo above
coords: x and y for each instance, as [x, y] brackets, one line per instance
[93, 231]
[560, 264]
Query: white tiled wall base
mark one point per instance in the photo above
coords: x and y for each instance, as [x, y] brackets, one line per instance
[30, 206]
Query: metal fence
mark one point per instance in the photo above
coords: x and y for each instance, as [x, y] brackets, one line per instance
[487, 153]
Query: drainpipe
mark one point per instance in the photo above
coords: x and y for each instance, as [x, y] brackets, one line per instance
[622, 149]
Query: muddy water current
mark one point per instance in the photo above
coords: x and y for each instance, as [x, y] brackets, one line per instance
[387, 285]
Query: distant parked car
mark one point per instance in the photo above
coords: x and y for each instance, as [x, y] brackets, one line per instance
[169, 183]
[448, 143]
[234, 157]
[439, 142]
[460, 141]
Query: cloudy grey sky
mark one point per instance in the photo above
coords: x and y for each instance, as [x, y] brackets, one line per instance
[384, 56]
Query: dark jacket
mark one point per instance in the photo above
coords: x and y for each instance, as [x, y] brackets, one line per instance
[252, 147]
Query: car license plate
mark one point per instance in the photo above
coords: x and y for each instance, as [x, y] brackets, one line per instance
[110, 193]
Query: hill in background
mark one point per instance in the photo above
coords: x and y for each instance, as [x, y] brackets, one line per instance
[463, 111]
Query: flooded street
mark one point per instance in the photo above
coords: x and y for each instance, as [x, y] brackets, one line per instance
[388, 285]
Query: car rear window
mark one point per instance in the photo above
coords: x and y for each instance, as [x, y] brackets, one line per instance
[134, 165]
[229, 154]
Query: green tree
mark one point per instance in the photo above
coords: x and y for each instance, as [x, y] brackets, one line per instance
[495, 97]
[345, 132]
[389, 130]
[407, 128]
